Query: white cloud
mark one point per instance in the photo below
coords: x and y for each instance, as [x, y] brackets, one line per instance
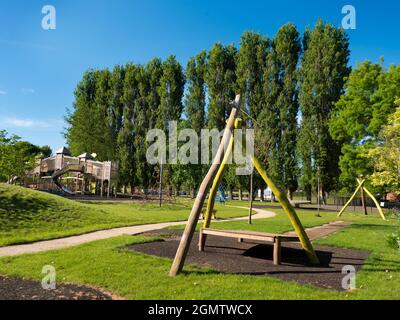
[28, 123]
[2, 93]
[27, 90]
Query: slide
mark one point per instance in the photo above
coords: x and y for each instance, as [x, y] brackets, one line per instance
[68, 168]
[221, 196]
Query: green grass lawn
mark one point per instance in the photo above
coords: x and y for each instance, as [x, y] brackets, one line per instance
[133, 275]
[28, 215]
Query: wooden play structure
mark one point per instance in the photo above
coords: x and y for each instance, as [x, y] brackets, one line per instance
[363, 190]
[211, 184]
[74, 175]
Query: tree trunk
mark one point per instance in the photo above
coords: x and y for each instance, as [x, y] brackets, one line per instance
[240, 194]
[308, 193]
[364, 204]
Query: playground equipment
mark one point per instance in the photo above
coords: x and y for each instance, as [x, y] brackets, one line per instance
[361, 187]
[84, 169]
[221, 198]
[213, 180]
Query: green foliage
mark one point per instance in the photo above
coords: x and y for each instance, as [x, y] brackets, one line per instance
[171, 91]
[385, 157]
[191, 175]
[350, 121]
[221, 82]
[90, 129]
[18, 157]
[358, 118]
[323, 69]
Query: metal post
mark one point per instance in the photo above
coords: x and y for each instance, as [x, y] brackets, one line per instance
[161, 174]
[251, 198]
[318, 196]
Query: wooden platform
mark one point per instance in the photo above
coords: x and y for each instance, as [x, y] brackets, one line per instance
[276, 239]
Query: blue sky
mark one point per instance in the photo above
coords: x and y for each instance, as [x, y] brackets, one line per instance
[39, 69]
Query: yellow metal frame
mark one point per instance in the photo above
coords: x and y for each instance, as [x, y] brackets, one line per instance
[359, 187]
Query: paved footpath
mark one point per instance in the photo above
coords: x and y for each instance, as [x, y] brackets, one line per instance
[105, 234]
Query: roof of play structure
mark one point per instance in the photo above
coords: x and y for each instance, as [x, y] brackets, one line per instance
[86, 156]
[63, 150]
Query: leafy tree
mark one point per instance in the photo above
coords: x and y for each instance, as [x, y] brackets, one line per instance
[154, 70]
[386, 156]
[16, 157]
[102, 135]
[195, 103]
[288, 48]
[126, 136]
[267, 127]
[116, 106]
[79, 134]
[388, 91]
[359, 116]
[323, 70]
[250, 66]
[90, 129]
[351, 118]
[170, 91]
[221, 82]
[350, 122]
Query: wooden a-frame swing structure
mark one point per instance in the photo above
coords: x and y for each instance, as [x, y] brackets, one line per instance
[363, 190]
[211, 183]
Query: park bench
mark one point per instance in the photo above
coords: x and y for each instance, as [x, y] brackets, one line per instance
[276, 239]
[297, 203]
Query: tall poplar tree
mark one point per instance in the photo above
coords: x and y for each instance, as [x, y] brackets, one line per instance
[116, 106]
[195, 104]
[288, 48]
[80, 120]
[126, 136]
[323, 70]
[221, 83]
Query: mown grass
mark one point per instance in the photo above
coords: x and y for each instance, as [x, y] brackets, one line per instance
[28, 215]
[109, 265]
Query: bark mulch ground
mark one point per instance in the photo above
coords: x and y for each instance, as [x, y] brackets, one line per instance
[20, 289]
[255, 258]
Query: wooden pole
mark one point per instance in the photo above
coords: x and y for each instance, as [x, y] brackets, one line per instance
[288, 208]
[161, 174]
[187, 236]
[251, 198]
[364, 205]
[318, 191]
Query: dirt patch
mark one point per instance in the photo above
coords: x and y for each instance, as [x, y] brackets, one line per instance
[20, 289]
[255, 258]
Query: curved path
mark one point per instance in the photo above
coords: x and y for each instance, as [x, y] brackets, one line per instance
[105, 234]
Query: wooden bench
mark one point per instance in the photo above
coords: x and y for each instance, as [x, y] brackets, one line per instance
[276, 239]
[297, 203]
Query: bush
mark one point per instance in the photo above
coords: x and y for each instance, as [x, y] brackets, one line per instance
[394, 239]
